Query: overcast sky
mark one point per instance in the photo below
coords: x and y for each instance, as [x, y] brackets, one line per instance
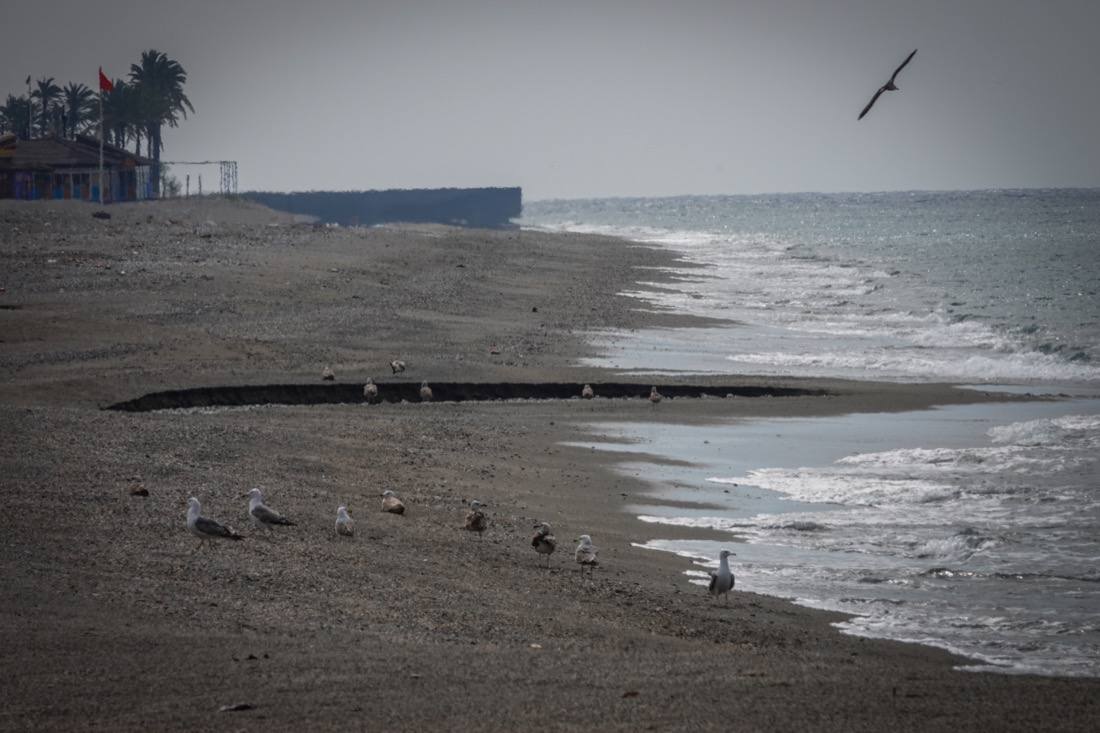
[576, 99]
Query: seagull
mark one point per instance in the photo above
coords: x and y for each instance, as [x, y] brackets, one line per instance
[654, 395]
[345, 525]
[587, 392]
[397, 366]
[544, 542]
[370, 390]
[888, 86]
[721, 582]
[391, 504]
[586, 554]
[206, 529]
[262, 515]
[327, 375]
[425, 392]
[476, 521]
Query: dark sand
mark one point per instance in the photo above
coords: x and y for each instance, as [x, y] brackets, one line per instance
[110, 620]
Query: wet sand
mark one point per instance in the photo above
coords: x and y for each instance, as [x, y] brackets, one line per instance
[111, 619]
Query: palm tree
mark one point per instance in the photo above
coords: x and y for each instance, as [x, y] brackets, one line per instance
[15, 116]
[159, 81]
[80, 109]
[47, 93]
[122, 116]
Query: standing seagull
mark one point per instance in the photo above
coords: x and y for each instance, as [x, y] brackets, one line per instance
[476, 521]
[262, 515]
[544, 542]
[654, 395]
[391, 504]
[370, 391]
[888, 86]
[328, 375]
[586, 554]
[206, 529]
[425, 392]
[721, 582]
[588, 393]
[344, 524]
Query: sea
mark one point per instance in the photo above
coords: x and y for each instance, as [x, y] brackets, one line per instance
[974, 528]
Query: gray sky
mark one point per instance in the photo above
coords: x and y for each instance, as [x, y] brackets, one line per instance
[575, 99]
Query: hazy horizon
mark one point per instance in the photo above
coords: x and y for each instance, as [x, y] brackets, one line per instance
[605, 99]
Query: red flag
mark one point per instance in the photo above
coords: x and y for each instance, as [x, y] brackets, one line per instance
[105, 84]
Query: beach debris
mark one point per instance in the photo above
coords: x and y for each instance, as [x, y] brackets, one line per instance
[391, 504]
[101, 215]
[262, 515]
[476, 521]
[206, 529]
[586, 554]
[888, 86]
[494, 349]
[631, 693]
[425, 392]
[543, 541]
[139, 490]
[397, 366]
[345, 525]
[535, 645]
[587, 392]
[327, 374]
[654, 395]
[236, 707]
[370, 391]
[721, 582]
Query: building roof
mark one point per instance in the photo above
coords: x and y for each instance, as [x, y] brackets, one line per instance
[49, 153]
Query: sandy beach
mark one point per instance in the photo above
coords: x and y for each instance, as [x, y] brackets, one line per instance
[110, 618]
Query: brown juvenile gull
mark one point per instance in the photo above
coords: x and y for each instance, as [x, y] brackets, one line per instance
[888, 86]
[654, 395]
[391, 504]
[263, 515]
[206, 529]
[345, 525]
[586, 554]
[721, 582]
[370, 390]
[476, 521]
[397, 366]
[425, 392]
[544, 542]
[328, 375]
[587, 392]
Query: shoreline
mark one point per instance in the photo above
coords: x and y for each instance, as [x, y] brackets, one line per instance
[315, 632]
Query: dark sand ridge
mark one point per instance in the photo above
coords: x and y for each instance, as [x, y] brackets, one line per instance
[108, 621]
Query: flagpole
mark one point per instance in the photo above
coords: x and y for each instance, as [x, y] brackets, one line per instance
[101, 144]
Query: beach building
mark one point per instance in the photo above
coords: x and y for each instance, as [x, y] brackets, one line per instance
[57, 168]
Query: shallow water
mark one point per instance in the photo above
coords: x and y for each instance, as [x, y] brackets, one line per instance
[973, 528]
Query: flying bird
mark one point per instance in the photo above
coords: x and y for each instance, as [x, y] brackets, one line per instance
[721, 582]
[391, 504]
[544, 542]
[888, 86]
[262, 515]
[344, 523]
[397, 366]
[476, 521]
[206, 529]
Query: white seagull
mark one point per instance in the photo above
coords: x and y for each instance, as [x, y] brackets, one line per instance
[425, 392]
[370, 390]
[345, 525]
[391, 504]
[544, 542]
[654, 395]
[721, 582]
[476, 521]
[263, 515]
[586, 554]
[206, 529]
[328, 375]
[888, 86]
[397, 366]
[587, 393]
